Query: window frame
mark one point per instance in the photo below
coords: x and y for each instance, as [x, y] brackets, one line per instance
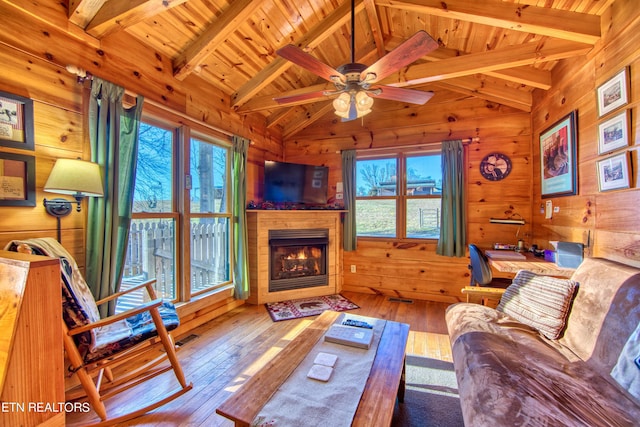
[401, 197]
[183, 128]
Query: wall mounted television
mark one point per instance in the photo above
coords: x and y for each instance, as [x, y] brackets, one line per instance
[295, 183]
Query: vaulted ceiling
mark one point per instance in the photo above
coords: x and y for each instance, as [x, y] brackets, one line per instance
[498, 50]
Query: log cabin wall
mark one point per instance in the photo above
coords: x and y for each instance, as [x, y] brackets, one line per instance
[33, 56]
[410, 268]
[606, 221]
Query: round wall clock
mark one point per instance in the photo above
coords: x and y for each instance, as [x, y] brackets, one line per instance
[495, 166]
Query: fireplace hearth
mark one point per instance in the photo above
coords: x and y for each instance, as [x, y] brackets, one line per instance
[298, 259]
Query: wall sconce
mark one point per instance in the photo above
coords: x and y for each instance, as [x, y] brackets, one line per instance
[77, 178]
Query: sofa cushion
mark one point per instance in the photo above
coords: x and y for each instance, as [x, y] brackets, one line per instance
[605, 312]
[541, 302]
[507, 382]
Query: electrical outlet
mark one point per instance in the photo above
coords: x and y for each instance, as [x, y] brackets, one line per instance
[353, 268]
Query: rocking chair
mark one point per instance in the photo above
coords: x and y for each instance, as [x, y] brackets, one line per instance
[95, 346]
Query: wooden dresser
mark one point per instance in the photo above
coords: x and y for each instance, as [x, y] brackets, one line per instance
[31, 350]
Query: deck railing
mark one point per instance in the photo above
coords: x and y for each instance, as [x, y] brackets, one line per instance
[150, 254]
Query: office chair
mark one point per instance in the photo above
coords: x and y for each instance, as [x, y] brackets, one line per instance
[483, 285]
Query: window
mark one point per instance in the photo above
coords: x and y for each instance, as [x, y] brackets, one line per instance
[151, 251]
[210, 215]
[161, 230]
[399, 196]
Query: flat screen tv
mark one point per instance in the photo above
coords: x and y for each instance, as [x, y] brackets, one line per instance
[295, 183]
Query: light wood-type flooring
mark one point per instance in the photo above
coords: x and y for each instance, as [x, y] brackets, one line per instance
[220, 355]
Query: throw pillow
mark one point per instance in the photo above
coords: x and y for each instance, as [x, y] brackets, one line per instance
[541, 302]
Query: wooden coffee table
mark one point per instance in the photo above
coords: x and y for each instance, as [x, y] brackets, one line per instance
[384, 385]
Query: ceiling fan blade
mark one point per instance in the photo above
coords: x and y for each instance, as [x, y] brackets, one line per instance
[308, 62]
[300, 98]
[413, 48]
[400, 94]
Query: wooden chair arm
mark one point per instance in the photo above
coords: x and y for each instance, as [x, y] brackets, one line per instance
[148, 284]
[147, 306]
[483, 291]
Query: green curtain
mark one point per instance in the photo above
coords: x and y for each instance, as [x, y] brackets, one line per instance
[453, 237]
[113, 132]
[349, 239]
[239, 197]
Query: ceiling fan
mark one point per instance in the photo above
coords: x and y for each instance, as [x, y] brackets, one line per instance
[356, 83]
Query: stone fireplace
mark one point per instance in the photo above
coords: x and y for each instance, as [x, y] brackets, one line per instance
[293, 254]
[298, 258]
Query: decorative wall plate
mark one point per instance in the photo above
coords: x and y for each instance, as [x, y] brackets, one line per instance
[495, 166]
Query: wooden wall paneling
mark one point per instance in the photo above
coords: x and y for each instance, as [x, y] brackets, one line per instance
[405, 270]
[605, 220]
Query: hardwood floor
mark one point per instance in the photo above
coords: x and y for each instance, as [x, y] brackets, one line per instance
[220, 355]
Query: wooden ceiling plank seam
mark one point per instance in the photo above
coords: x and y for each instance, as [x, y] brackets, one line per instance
[558, 23]
[319, 33]
[473, 63]
[374, 23]
[117, 15]
[195, 53]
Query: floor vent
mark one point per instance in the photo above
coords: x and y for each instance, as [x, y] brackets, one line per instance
[186, 339]
[404, 300]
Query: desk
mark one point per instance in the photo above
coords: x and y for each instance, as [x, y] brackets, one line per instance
[385, 382]
[531, 263]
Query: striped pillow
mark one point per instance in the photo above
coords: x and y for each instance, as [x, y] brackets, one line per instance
[541, 302]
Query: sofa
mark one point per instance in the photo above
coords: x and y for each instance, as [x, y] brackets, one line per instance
[554, 352]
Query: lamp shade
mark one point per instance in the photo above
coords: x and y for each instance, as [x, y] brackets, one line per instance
[75, 177]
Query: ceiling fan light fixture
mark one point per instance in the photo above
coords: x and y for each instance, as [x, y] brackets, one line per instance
[361, 100]
[341, 104]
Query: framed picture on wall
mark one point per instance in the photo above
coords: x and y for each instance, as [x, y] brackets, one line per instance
[16, 121]
[558, 165]
[614, 93]
[17, 180]
[613, 133]
[613, 172]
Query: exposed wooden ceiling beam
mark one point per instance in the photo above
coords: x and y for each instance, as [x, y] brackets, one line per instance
[81, 12]
[116, 15]
[376, 28]
[490, 91]
[314, 113]
[574, 26]
[493, 63]
[194, 54]
[327, 26]
[483, 62]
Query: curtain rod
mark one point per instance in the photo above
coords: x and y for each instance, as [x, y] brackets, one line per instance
[402, 147]
[83, 75]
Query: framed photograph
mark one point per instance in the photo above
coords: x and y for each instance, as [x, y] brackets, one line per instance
[558, 164]
[613, 133]
[16, 121]
[17, 180]
[613, 172]
[614, 93]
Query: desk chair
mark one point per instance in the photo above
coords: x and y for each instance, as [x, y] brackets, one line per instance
[94, 346]
[483, 285]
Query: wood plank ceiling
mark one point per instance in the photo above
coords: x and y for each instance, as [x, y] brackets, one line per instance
[498, 50]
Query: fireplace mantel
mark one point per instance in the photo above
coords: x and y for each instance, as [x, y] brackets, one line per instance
[259, 222]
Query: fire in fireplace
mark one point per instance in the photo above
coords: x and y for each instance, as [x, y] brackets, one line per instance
[298, 259]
